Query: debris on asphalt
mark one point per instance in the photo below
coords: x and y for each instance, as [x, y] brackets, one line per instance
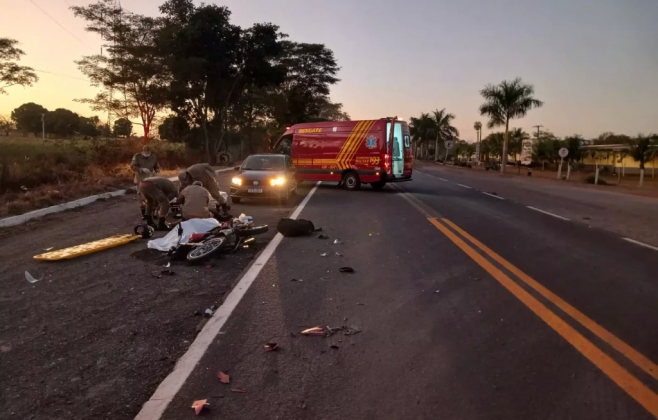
[300, 280]
[168, 272]
[197, 313]
[296, 227]
[339, 255]
[321, 236]
[302, 405]
[208, 313]
[437, 291]
[208, 266]
[198, 406]
[347, 330]
[323, 255]
[316, 331]
[156, 275]
[239, 390]
[223, 378]
[48, 249]
[346, 270]
[168, 265]
[361, 304]
[31, 278]
[271, 346]
[333, 346]
[338, 242]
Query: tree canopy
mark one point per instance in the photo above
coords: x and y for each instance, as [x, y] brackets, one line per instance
[11, 73]
[28, 117]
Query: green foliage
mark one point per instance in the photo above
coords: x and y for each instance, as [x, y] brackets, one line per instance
[442, 129]
[516, 138]
[132, 67]
[90, 127]
[122, 127]
[28, 117]
[644, 148]
[62, 122]
[174, 129]
[6, 125]
[12, 74]
[504, 102]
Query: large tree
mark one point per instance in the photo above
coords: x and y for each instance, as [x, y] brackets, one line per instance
[174, 129]
[28, 117]
[11, 73]
[62, 122]
[6, 124]
[642, 149]
[213, 62]
[442, 129]
[131, 69]
[504, 102]
[122, 127]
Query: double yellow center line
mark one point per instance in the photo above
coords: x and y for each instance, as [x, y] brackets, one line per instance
[624, 379]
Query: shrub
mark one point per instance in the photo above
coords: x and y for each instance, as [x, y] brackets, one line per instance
[589, 179]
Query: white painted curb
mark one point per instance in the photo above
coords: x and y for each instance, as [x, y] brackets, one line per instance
[22, 218]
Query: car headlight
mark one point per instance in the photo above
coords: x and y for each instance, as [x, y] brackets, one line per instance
[236, 181]
[277, 181]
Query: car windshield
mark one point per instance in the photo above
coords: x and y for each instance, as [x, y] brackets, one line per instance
[263, 163]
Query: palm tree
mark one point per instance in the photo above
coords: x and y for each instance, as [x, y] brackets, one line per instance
[421, 130]
[506, 101]
[478, 132]
[641, 149]
[516, 138]
[442, 129]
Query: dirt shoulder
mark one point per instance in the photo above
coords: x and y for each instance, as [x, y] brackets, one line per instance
[98, 333]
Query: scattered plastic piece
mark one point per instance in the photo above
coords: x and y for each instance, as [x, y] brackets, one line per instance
[338, 242]
[339, 255]
[223, 378]
[437, 291]
[48, 249]
[168, 265]
[346, 270]
[30, 278]
[271, 346]
[323, 255]
[208, 313]
[198, 405]
[317, 331]
[333, 346]
[239, 390]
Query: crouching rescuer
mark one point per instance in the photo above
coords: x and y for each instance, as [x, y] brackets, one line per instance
[194, 201]
[144, 165]
[158, 192]
[205, 174]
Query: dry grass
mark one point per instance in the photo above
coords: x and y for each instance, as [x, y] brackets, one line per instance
[39, 173]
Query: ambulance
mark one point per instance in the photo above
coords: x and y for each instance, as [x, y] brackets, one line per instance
[373, 152]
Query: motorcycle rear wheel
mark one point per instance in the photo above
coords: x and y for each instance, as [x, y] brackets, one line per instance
[209, 247]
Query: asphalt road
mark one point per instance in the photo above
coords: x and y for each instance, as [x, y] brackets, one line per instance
[469, 306]
[98, 333]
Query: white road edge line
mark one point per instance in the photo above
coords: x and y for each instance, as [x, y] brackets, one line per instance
[641, 244]
[465, 186]
[167, 390]
[491, 195]
[22, 218]
[444, 180]
[549, 213]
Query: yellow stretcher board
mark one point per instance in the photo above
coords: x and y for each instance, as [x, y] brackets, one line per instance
[89, 248]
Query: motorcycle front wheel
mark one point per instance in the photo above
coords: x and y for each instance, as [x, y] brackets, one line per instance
[209, 247]
[251, 231]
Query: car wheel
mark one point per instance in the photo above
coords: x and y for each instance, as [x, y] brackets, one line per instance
[236, 200]
[351, 181]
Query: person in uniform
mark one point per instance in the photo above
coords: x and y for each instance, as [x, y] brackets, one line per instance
[144, 165]
[205, 174]
[157, 191]
[194, 201]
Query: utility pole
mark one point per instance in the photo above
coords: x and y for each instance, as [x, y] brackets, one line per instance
[537, 127]
[43, 126]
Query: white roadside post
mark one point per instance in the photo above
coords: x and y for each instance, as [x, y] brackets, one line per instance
[448, 144]
[563, 152]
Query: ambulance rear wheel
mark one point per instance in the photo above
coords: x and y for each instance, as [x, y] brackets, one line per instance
[378, 185]
[351, 181]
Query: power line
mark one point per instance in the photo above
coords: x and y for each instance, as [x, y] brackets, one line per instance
[61, 75]
[61, 26]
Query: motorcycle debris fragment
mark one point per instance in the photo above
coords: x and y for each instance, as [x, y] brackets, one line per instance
[271, 346]
[239, 390]
[437, 291]
[199, 405]
[223, 378]
[315, 331]
[208, 313]
[168, 272]
[338, 242]
[321, 236]
[31, 278]
[323, 255]
[346, 270]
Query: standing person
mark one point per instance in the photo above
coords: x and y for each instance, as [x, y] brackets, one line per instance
[157, 192]
[205, 174]
[144, 165]
[194, 200]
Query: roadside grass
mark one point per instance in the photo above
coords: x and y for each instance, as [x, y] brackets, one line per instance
[36, 173]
